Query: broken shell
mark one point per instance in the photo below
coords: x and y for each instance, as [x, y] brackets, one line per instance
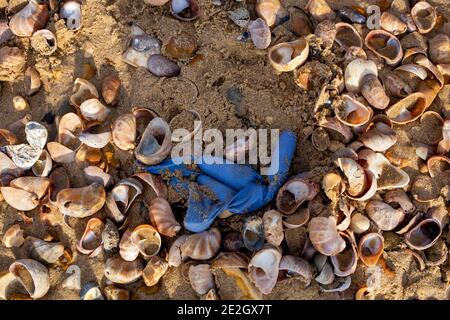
[268, 11]
[326, 275]
[260, 33]
[82, 91]
[230, 260]
[396, 86]
[93, 110]
[320, 10]
[155, 269]
[359, 223]
[344, 263]
[185, 10]
[111, 90]
[424, 16]
[91, 291]
[337, 128]
[156, 142]
[273, 227]
[425, 234]
[19, 199]
[91, 240]
[203, 245]
[347, 36]
[333, 186]
[356, 71]
[46, 252]
[155, 182]
[70, 126]
[385, 217]
[293, 193]
[73, 281]
[147, 240]
[124, 131]
[293, 267]
[121, 271]
[300, 22]
[142, 47]
[326, 30]
[408, 109]
[414, 69]
[444, 144]
[174, 257]
[287, 56]
[94, 174]
[59, 180]
[32, 17]
[320, 139]
[32, 275]
[95, 140]
[370, 248]
[110, 237]
[352, 112]
[263, 268]
[35, 185]
[20, 104]
[121, 197]
[36, 134]
[44, 42]
[81, 202]
[324, 235]
[360, 183]
[12, 63]
[398, 197]
[71, 13]
[60, 153]
[379, 136]
[374, 92]
[162, 217]
[201, 278]
[127, 250]
[162, 66]
[23, 155]
[114, 293]
[439, 49]
[32, 81]
[392, 24]
[385, 45]
[13, 237]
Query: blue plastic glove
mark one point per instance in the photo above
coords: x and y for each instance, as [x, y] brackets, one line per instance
[237, 188]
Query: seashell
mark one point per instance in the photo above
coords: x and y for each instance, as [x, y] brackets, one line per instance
[293, 267]
[155, 144]
[326, 275]
[293, 193]
[351, 15]
[263, 268]
[119, 200]
[44, 42]
[398, 197]
[12, 63]
[93, 110]
[384, 45]
[155, 182]
[370, 248]
[70, 126]
[146, 239]
[408, 109]
[230, 260]
[345, 283]
[344, 263]
[95, 140]
[32, 275]
[392, 24]
[425, 234]
[20, 104]
[91, 291]
[385, 217]
[111, 90]
[91, 240]
[201, 278]
[161, 66]
[46, 252]
[81, 202]
[82, 91]
[439, 49]
[444, 144]
[13, 237]
[359, 223]
[379, 136]
[36, 134]
[182, 46]
[162, 217]
[388, 176]
[347, 36]
[373, 91]
[124, 131]
[19, 199]
[444, 69]
[333, 186]
[24, 156]
[362, 183]
[59, 180]
[174, 257]
[424, 16]
[142, 47]
[352, 112]
[60, 153]
[320, 139]
[268, 10]
[71, 13]
[336, 127]
[32, 17]
[73, 281]
[324, 235]
[240, 16]
[121, 271]
[300, 22]
[34, 185]
[287, 56]
[155, 269]
[356, 71]
[414, 69]
[273, 227]
[114, 293]
[396, 86]
[94, 174]
[202, 246]
[127, 250]
[343, 211]
[326, 30]
[110, 237]
[320, 10]
[5, 32]
[260, 33]
[32, 81]
[185, 10]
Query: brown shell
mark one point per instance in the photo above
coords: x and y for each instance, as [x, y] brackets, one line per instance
[203, 245]
[81, 202]
[120, 271]
[162, 217]
[370, 248]
[324, 235]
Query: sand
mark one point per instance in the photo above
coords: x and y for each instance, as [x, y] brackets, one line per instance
[232, 85]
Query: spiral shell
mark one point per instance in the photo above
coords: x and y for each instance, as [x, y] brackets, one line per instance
[162, 217]
[203, 245]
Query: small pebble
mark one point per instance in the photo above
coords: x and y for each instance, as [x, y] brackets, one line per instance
[20, 104]
[182, 46]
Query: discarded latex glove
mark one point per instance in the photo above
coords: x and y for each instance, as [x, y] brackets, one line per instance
[231, 187]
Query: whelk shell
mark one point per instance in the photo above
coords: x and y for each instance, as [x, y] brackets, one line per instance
[385, 45]
[32, 17]
[121, 197]
[203, 245]
[155, 143]
[127, 250]
[146, 239]
[425, 234]
[174, 257]
[370, 248]
[324, 235]
[385, 217]
[155, 269]
[408, 109]
[71, 13]
[287, 56]
[91, 240]
[81, 202]
[32, 275]
[263, 268]
[162, 217]
[13, 237]
[424, 16]
[293, 194]
[121, 271]
[201, 278]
